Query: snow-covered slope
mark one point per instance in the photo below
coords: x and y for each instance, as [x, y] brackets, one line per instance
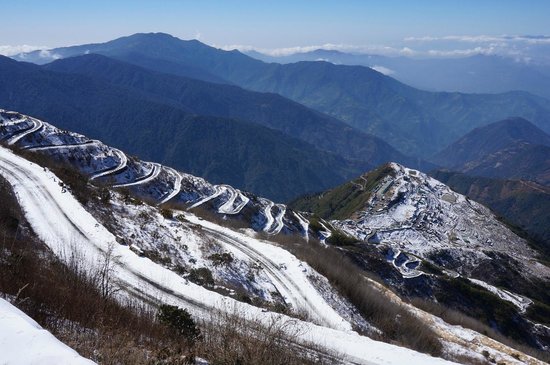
[149, 181]
[157, 253]
[63, 224]
[428, 241]
[24, 342]
[239, 263]
[416, 214]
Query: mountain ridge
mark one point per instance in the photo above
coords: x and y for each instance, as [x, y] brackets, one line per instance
[429, 233]
[115, 114]
[419, 123]
[512, 148]
[521, 203]
[472, 74]
[267, 109]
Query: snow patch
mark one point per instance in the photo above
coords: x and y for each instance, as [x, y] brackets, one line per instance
[24, 342]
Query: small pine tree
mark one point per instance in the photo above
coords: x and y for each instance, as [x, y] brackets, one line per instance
[180, 321]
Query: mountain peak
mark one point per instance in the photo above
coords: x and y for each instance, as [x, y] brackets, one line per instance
[515, 126]
[412, 211]
[160, 37]
[489, 139]
[154, 35]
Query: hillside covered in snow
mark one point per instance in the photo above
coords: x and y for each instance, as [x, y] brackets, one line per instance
[180, 240]
[439, 240]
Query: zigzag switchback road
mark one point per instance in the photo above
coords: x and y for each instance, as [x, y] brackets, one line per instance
[64, 225]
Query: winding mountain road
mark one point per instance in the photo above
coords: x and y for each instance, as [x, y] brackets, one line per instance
[37, 125]
[177, 186]
[274, 225]
[233, 205]
[217, 192]
[153, 173]
[91, 142]
[304, 223]
[229, 206]
[68, 229]
[122, 162]
[291, 282]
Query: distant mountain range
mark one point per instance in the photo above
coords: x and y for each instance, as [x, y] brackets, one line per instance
[513, 148]
[506, 166]
[472, 74]
[267, 109]
[231, 151]
[418, 123]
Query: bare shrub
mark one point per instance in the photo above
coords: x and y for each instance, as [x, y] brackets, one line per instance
[201, 276]
[75, 303]
[166, 213]
[221, 259]
[231, 339]
[104, 275]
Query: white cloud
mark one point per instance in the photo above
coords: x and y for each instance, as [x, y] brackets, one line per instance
[462, 52]
[383, 70]
[521, 48]
[349, 48]
[458, 38]
[483, 39]
[13, 50]
[49, 55]
[287, 51]
[406, 51]
[231, 47]
[524, 48]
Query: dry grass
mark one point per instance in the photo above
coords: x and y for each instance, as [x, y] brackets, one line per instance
[79, 307]
[397, 324]
[230, 339]
[458, 318]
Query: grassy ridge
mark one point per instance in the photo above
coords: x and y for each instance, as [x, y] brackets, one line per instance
[344, 200]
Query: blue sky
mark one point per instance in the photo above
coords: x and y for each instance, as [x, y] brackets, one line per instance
[270, 24]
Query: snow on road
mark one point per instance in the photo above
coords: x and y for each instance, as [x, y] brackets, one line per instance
[177, 186]
[304, 223]
[10, 122]
[268, 216]
[287, 273]
[229, 206]
[37, 124]
[274, 225]
[217, 192]
[402, 266]
[61, 146]
[24, 342]
[278, 219]
[155, 171]
[519, 301]
[243, 202]
[65, 226]
[123, 160]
